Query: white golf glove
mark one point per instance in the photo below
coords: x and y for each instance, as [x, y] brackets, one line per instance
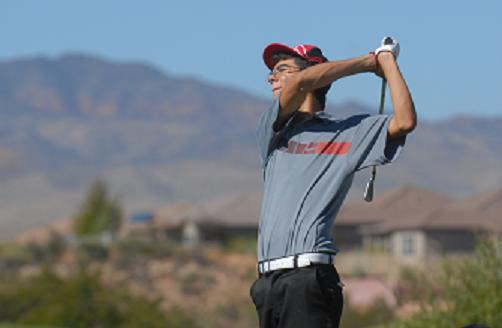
[388, 44]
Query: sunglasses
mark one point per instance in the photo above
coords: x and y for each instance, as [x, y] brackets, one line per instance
[282, 69]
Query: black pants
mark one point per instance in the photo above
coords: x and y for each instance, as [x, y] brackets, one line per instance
[296, 298]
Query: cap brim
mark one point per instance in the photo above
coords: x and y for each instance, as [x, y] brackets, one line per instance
[274, 48]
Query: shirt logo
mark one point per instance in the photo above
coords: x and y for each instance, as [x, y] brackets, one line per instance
[328, 148]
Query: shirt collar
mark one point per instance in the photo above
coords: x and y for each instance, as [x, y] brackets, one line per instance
[322, 115]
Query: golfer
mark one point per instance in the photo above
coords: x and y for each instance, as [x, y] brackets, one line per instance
[309, 159]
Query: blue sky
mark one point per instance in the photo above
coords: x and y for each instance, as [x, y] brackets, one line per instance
[451, 51]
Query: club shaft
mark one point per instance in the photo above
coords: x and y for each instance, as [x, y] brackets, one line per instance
[368, 193]
[382, 96]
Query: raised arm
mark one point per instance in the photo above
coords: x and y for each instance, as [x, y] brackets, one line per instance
[404, 119]
[296, 86]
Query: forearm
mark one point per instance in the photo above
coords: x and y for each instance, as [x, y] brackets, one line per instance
[402, 102]
[323, 74]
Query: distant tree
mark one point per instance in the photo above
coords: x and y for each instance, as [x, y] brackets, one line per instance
[99, 213]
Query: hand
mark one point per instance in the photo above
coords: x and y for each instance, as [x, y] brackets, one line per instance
[382, 60]
[388, 51]
[388, 44]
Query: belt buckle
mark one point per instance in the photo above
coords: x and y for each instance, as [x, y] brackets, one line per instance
[295, 261]
[262, 267]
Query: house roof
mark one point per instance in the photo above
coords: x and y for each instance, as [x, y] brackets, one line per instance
[408, 201]
[43, 234]
[141, 217]
[482, 211]
[240, 210]
[176, 214]
[487, 202]
[407, 207]
[412, 207]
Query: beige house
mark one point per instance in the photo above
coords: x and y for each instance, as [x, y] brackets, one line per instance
[410, 223]
[413, 224]
[217, 221]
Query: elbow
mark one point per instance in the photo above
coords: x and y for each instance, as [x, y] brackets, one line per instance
[408, 125]
[408, 122]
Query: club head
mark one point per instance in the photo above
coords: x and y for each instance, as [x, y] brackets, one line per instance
[368, 192]
[387, 40]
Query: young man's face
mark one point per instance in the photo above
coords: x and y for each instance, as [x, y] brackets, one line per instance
[278, 76]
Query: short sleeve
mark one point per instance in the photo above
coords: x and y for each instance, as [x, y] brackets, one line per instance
[370, 145]
[267, 137]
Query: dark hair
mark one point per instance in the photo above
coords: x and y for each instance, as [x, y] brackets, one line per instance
[320, 94]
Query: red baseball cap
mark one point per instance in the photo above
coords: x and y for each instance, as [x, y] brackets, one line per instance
[306, 51]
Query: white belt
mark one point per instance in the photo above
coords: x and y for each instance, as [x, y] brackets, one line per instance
[295, 261]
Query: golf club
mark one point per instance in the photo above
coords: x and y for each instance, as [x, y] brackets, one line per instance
[368, 192]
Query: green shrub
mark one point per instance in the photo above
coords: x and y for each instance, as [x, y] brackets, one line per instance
[470, 292]
[81, 301]
[379, 312]
[245, 245]
[94, 251]
[13, 256]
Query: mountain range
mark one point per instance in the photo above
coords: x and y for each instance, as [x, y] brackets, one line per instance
[158, 138]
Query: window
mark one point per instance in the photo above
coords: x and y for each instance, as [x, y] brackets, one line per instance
[408, 244]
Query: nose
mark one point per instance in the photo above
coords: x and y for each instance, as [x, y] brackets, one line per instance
[271, 78]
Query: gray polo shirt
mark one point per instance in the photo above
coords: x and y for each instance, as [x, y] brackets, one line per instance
[308, 168]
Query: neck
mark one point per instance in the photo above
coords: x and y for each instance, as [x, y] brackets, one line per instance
[310, 105]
